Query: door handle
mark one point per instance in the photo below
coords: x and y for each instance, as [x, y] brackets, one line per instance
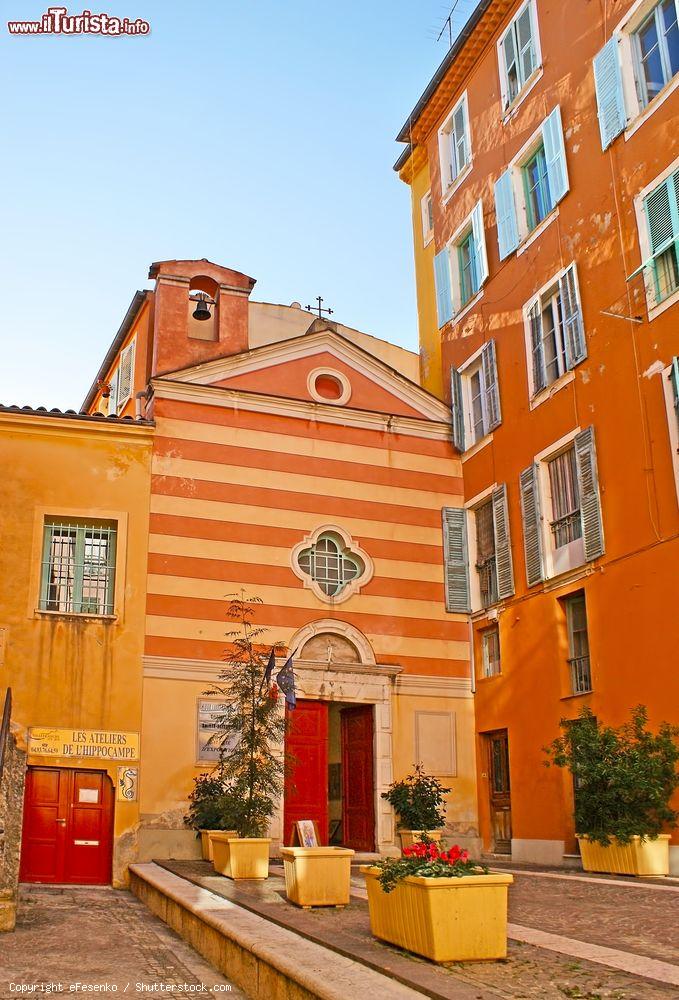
[62, 821]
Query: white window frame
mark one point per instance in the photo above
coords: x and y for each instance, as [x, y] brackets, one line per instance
[517, 165]
[645, 244]
[636, 111]
[454, 244]
[509, 105]
[427, 210]
[565, 377]
[451, 172]
[566, 557]
[672, 421]
[469, 368]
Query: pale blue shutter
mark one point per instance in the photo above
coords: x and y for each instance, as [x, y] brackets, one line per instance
[588, 486]
[537, 348]
[479, 243]
[532, 528]
[444, 298]
[662, 213]
[574, 331]
[555, 155]
[505, 208]
[491, 385]
[457, 407]
[113, 393]
[610, 97]
[456, 560]
[674, 382]
[503, 548]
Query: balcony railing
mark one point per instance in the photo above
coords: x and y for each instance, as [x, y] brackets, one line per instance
[566, 529]
[581, 677]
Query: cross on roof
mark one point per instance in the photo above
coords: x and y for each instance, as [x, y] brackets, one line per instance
[319, 308]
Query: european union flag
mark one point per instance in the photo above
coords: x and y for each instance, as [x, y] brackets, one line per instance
[270, 667]
[286, 682]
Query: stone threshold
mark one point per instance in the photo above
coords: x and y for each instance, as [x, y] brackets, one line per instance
[262, 957]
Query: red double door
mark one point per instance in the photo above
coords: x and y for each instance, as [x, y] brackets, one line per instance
[68, 826]
[306, 786]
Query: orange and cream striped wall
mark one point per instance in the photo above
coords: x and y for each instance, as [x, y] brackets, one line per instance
[241, 476]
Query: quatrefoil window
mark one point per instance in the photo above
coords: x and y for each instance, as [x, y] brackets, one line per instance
[331, 564]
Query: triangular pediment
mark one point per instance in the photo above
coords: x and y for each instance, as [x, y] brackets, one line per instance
[285, 368]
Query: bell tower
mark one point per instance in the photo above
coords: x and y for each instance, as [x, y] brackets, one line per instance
[200, 313]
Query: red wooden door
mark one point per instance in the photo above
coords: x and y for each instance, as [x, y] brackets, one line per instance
[68, 826]
[358, 782]
[306, 781]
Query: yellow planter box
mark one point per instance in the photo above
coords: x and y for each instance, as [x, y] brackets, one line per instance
[443, 919]
[317, 876]
[206, 846]
[410, 837]
[240, 857]
[639, 857]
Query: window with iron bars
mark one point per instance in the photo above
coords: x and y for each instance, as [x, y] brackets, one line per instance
[566, 524]
[486, 564]
[329, 564]
[578, 644]
[78, 567]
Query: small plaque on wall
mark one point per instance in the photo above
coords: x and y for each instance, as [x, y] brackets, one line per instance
[128, 784]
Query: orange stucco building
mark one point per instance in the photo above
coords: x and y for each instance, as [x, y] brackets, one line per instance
[543, 162]
[300, 460]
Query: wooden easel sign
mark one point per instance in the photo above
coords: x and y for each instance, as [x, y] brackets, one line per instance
[305, 833]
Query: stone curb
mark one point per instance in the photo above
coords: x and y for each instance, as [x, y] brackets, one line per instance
[301, 967]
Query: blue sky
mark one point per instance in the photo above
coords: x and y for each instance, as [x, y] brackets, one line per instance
[259, 135]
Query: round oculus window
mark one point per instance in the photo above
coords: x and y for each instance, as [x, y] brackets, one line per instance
[328, 386]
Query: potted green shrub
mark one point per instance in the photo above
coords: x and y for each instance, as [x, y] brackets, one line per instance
[624, 779]
[251, 735]
[439, 904]
[418, 801]
[209, 808]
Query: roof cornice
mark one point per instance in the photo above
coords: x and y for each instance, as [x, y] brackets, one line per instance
[325, 413]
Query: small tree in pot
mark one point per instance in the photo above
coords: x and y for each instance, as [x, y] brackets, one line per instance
[210, 808]
[251, 734]
[419, 802]
[624, 779]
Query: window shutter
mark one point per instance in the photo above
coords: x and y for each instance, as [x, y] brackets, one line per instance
[588, 485]
[503, 549]
[480, 243]
[662, 213]
[126, 374]
[491, 385]
[537, 347]
[574, 333]
[532, 535]
[610, 97]
[113, 393]
[555, 155]
[456, 560]
[444, 299]
[505, 208]
[457, 408]
[674, 382]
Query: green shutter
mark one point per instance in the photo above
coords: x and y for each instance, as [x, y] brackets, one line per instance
[537, 348]
[503, 548]
[444, 298]
[662, 213]
[574, 333]
[505, 208]
[588, 486]
[491, 385]
[456, 560]
[457, 407]
[555, 155]
[610, 97]
[532, 526]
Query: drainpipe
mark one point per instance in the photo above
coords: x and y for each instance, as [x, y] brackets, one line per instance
[137, 404]
[472, 665]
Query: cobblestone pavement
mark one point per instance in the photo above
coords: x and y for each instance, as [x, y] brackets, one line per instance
[99, 936]
[528, 972]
